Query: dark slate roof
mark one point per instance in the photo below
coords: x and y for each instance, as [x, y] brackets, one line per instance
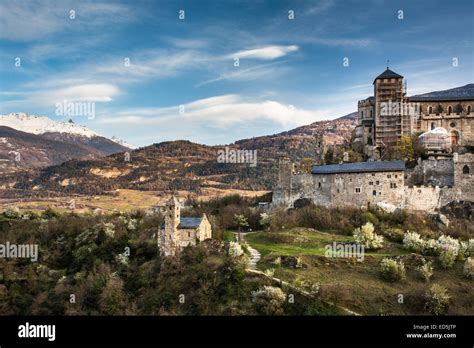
[439, 99]
[360, 167]
[388, 74]
[189, 222]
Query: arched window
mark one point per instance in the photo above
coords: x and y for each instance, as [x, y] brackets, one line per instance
[450, 109]
[430, 110]
[465, 169]
[455, 137]
[361, 114]
[469, 109]
[433, 125]
[319, 184]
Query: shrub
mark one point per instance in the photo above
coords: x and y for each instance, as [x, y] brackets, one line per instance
[393, 233]
[234, 250]
[365, 235]
[426, 270]
[466, 249]
[468, 269]
[412, 241]
[437, 299]
[269, 300]
[431, 247]
[392, 270]
[448, 250]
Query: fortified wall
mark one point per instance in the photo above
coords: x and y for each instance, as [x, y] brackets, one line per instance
[442, 181]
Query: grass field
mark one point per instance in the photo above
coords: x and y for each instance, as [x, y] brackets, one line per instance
[358, 285]
[122, 200]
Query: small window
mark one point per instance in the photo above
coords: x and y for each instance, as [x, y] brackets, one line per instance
[430, 110]
[450, 109]
[465, 169]
[373, 174]
[371, 182]
[362, 114]
[452, 124]
[337, 190]
[389, 176]
[433, 125]
[357, 189]
[396, 176]
[393, 185]
[469, 109]
[374, 193]
[377, 182]
[319, 184]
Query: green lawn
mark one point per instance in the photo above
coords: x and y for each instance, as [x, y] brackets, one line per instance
[358, 285]
[229, 236]
[307, 242]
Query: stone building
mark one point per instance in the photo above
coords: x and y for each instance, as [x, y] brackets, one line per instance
[390, 114]
[178, 232]
[429, 186]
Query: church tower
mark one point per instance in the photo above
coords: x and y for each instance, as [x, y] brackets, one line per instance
[168, 239]
[390, 124]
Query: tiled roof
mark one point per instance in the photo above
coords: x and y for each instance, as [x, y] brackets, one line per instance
[360, 167]
[388, 74]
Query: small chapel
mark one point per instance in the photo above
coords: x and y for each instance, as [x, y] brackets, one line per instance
[179, 232]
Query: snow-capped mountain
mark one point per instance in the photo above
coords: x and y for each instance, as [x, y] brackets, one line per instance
[122, 142]
[41, 124]
[28, 141]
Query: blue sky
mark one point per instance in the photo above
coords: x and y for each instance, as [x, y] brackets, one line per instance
[182, 82]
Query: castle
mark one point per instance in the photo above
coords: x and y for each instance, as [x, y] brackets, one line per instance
[389, 114]
[427, 187]
[383, 119]
[178, 232]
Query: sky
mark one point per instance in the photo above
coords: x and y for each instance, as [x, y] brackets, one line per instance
[214, 72]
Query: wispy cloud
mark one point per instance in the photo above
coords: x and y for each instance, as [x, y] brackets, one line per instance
[218, 112]
[265, 53]
[33, 19]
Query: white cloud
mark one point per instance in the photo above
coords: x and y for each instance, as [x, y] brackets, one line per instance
[249, 74]
[33, 19]
[218, 112]
[100, 93]
[265, 53]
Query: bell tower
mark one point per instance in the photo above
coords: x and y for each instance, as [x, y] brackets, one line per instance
[168, 235]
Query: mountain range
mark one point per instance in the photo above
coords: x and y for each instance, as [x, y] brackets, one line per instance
[28, 141]
[69, 159]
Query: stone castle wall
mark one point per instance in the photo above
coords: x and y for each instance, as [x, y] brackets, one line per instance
[442, 181]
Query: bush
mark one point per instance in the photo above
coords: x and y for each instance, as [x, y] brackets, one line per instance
[269, 300]
[468, 269]
[426, 270]
[394, 234]
[412, 241]
[437, 299]
[466, 249]
[392, 270]
[365, 235]
[448, 250]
